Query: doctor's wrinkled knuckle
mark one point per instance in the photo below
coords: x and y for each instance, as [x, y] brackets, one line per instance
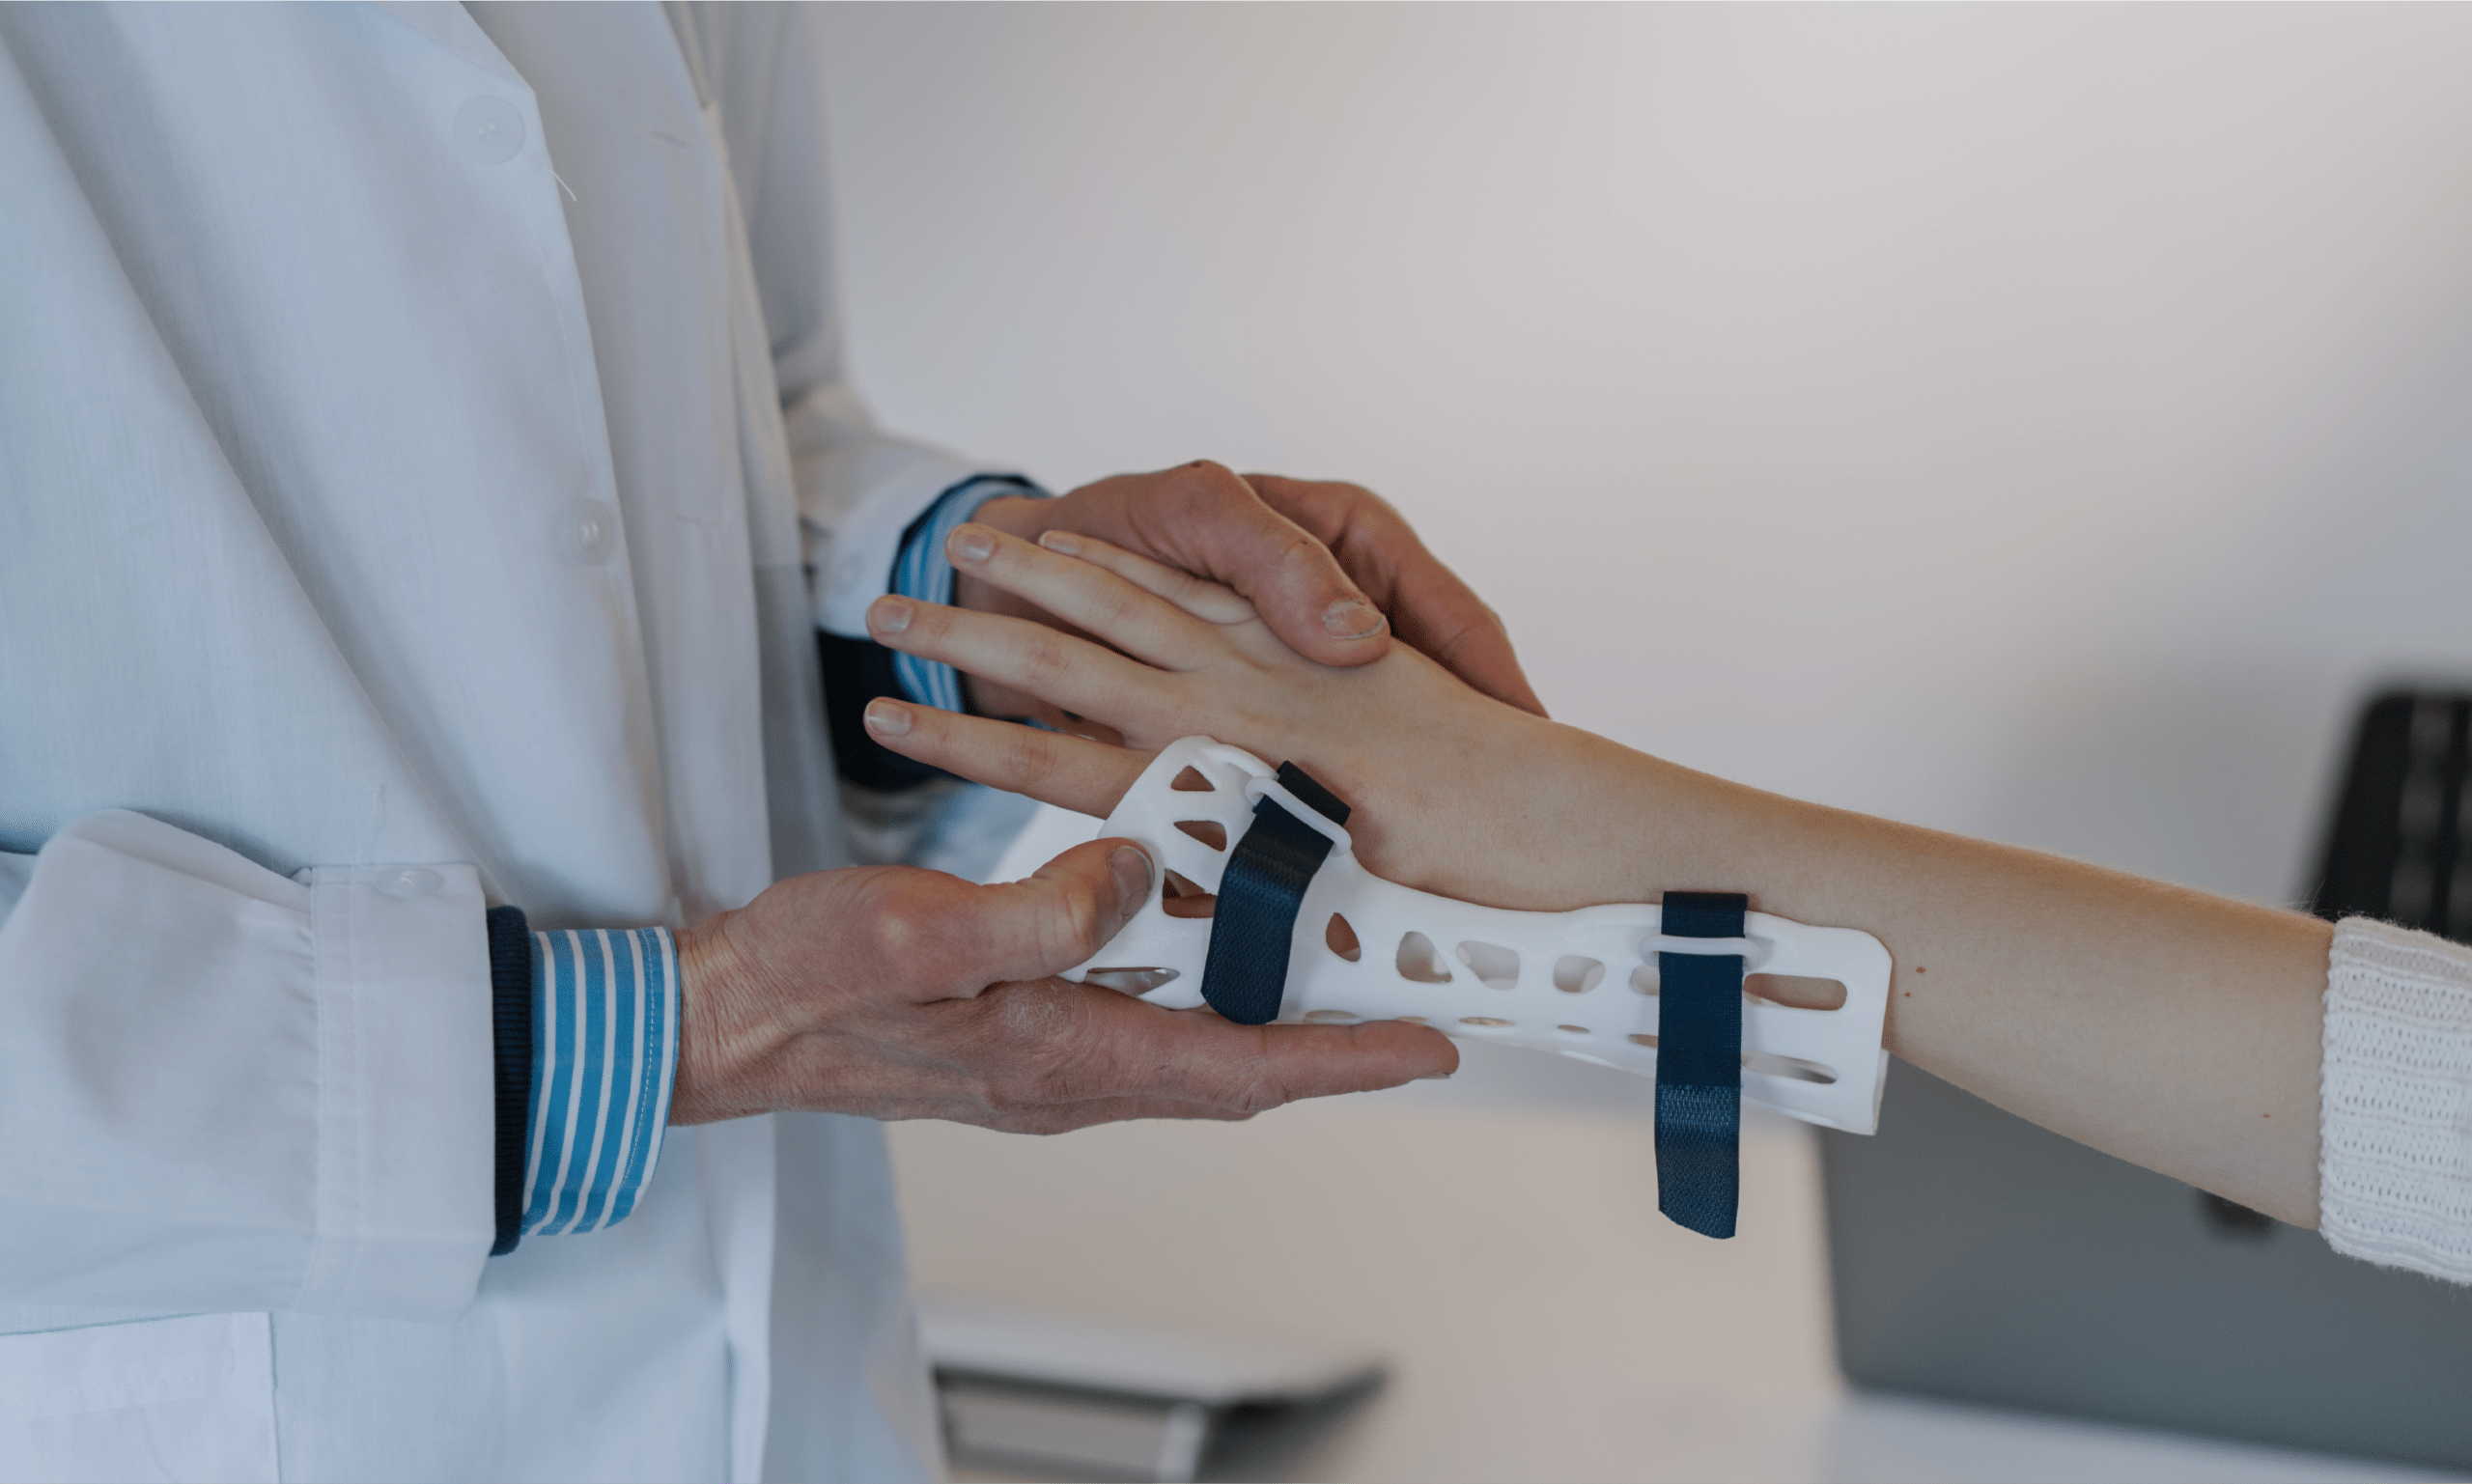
[1206, 491]
[1360, 509]
[1064, 1083]
[1263, 1081]
[1206, 479]
[1262, 1094]
[912, 925]
[1095, 1069]
[1240, 1092]
[1045, 1060]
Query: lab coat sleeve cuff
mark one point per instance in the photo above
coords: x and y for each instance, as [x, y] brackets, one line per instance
[228, 1090]
[407, 1130]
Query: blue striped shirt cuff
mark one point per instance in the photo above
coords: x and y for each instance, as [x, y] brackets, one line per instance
[923, 572]
[605, 1052]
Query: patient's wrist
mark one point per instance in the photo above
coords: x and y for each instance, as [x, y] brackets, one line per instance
[1526, 814]
[1612, 824]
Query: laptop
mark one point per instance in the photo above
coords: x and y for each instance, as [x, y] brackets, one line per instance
[1979, 1258]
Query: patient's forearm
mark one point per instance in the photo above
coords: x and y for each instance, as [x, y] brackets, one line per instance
[2174, 1029]
[2171, 1028]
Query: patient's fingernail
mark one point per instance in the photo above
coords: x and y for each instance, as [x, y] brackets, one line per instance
[1062, 543]
[888, 719]
[972, 544]
[1132, 870]
[1352, 618]
[888, 614]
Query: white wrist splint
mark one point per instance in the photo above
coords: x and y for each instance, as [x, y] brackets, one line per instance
[1582, 984]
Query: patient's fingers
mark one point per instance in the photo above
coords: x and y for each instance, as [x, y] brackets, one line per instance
[1067, 771]
[1079, 676]
[1200, 597]
[1085, 595]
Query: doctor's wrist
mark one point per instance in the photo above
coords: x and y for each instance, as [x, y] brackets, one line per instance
[715, 1006]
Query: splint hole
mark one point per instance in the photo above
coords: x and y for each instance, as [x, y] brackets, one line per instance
[1576, 975]
[1411, 1020]
[1645, 979]
[1420, 961]
[1650, 1041]
[1129, 980]
[1331, 1016]
[1340, 938]
[1192, 781]
[1795, 991]
[1484, 1019]
[1209, 832]
[1794, 1067]
[1496, 967]
[1181, 898]
[1574, 1030]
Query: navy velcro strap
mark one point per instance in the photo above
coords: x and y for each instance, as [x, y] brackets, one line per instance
[1700, 1065]
[1253, 926]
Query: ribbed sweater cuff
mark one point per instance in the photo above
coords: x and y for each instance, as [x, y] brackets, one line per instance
[2395, 1122]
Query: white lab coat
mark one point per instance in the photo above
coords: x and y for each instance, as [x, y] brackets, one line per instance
[370, 498]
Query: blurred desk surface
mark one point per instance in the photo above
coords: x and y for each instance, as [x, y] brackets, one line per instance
[1497, 1236]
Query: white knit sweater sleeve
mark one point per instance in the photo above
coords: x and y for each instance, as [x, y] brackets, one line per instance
[2394, 1120]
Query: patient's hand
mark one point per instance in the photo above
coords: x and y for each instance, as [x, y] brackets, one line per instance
[1455, 792]
[1325, 560]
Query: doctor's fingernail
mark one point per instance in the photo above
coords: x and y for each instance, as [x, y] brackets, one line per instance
[1352, 618]
[1062, 543]
[1132, 870]
[888, 719]
[972, 544]
[889, 614]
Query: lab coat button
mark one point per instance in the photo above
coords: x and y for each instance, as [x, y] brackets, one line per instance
[489, 130]
[409, 882]
[590, 533]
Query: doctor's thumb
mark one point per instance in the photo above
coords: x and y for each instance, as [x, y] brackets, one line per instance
[1074, 905]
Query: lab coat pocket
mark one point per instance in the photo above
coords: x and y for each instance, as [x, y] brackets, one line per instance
[188, 1398]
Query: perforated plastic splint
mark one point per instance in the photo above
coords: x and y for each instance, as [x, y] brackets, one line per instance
[1581, 984]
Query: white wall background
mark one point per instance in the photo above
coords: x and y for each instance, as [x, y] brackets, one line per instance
[2038, 422]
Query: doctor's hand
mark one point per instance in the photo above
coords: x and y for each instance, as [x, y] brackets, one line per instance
[890, 992]
[1322, 561]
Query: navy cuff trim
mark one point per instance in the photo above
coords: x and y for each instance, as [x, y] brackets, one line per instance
[511, 1025]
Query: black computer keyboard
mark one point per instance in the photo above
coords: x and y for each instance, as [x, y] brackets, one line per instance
[2396, 848]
